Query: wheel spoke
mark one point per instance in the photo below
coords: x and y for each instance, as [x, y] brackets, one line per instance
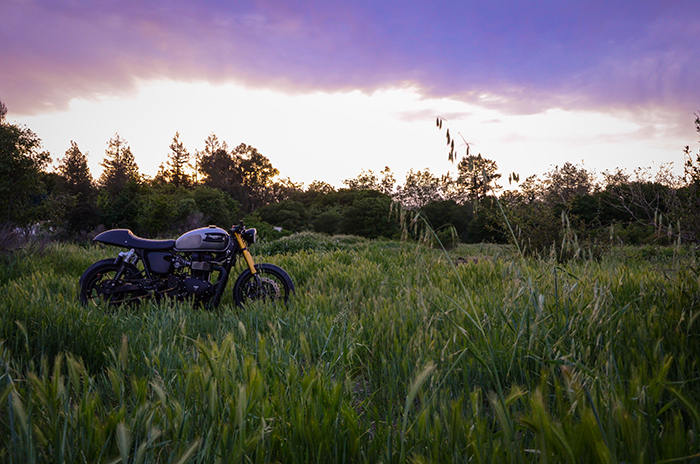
[109, 285]
[267, 284]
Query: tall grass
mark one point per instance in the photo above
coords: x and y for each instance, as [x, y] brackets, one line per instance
[389, 352]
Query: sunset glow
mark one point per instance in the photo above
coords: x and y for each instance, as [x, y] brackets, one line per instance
[325, 91]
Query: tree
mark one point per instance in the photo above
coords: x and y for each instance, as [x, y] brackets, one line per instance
[216, 206]
[444, 213]
[175, 170]
[75, 173]
[368, 180]
[162, 208]
[692, 167]
[220, 170]
[211, 146]
[687, 203]
[319, 186]
[21, 165]
[367, 214]
[669, 203]
[119, 166]
[536, 226]
[284, 189]
[288, 214]
[77, 187]
[257, 175]
[327, 221]
[420, 188]
[365, 180]
[564, 184]
[123, 208]
[315, 191]
[386, 184]
[476, 178]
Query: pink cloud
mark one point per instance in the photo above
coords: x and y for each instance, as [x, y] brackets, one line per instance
[625, 55]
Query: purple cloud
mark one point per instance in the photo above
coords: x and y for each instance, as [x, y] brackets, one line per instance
[621, 54]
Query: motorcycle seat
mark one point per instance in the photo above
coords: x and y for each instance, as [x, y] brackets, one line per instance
[125, 238]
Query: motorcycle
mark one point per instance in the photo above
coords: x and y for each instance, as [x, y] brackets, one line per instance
[196, 267]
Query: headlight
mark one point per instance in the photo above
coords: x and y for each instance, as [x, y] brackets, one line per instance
[250, 235]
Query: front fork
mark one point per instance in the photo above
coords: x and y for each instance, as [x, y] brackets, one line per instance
[248, 258]
[246, 253]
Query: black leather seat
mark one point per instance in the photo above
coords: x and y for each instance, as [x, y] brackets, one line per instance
[125, 238]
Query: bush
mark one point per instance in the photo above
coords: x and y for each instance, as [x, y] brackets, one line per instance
[369, 216]
[444, 213]
[308, 241]
[288, 214]
[327, 222]
[124, 208]
[216, 206]
[266, 232]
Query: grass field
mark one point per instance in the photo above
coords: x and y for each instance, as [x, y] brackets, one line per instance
[388, 352]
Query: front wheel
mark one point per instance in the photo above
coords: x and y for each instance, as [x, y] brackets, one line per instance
[270, 283]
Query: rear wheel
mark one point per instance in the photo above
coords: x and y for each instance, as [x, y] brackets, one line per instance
[270, 283]
[103, 282]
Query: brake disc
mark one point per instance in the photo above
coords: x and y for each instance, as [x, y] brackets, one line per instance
[269, 289]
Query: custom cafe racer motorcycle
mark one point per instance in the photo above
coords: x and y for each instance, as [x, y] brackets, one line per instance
[195, 267]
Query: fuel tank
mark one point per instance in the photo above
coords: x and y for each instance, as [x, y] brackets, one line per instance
[210, 238]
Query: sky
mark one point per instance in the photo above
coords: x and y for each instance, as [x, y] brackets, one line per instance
[326, 89]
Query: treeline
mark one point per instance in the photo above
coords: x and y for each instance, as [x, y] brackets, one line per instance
[567, 210]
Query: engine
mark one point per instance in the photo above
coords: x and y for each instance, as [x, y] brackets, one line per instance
[193, 264]
[187, 273]
[191, 277]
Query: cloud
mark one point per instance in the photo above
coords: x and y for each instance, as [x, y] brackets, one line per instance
[516, 57]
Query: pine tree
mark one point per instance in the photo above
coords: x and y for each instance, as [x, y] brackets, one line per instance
[75, 173]
[175, 170]
[211, 145]
[79, 199]
[218, 167]
[119, 166]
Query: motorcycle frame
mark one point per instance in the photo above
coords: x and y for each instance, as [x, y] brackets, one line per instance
[235, 246]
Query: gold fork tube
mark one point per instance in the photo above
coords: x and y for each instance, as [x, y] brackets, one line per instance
[246, 254]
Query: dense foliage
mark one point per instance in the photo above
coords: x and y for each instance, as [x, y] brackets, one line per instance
[21, 167]
[565, 211]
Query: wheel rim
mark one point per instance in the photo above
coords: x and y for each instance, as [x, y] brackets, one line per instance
[101, 290]
[271, 288]
[267, 290]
